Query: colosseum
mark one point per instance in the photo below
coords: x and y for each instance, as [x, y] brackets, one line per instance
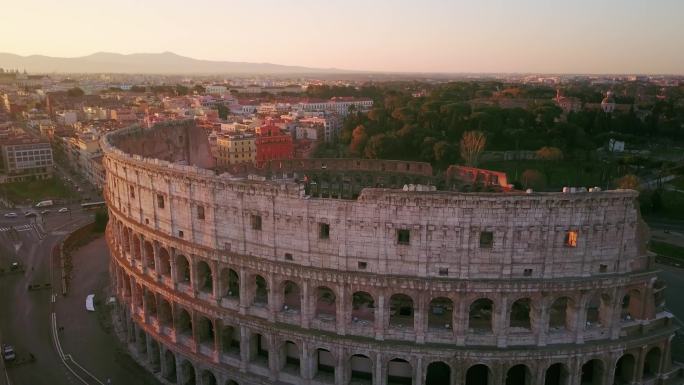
[373, 272]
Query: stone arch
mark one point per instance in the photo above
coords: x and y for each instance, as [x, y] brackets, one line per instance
[361, 369]
[363, 307]
[259, 349]
[170, 366]
[326, 306]
[164, 312]
[592, 372]
[480, 315]
[479, 374]
[399, 372]
[631, 306]
[324, 365]
[184, 323]
[260, 291]
[557, 374]
[401, 311]
[137, 247]
[597, 311]
[208, 378]
[205, 277]
[625, 369]
[188, 376]
[182, 269]
[519, 375]
[230, 340]
[520, 316]
[230, 283]
[205, 331]
[149, 254]
[127, 239]
[652, 363]
[151, 302]
[561, 314]
[292, 299]
[290, 358]
[438, 373]
[440, 313]
[164, 262]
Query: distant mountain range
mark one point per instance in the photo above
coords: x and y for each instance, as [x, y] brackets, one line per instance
[148, 63]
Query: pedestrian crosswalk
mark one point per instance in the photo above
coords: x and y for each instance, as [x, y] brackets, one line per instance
[17, 228]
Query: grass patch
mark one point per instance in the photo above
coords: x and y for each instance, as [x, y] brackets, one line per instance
[667, 249]
[36, 190]
[677, 183]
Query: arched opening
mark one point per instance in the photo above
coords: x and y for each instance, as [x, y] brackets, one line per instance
[137, 254]
[401, 311]
[138, 295]
[518, 375]
[230, 341]
[205, 280]
[438, 373]
[151, 303]
[478, 375]
[557, 374]
[184, 323]
[260, 291]
[187, 373]
[520, 314]
[164, 312]
[164, 262]
[289, 358]
[325, 366]
[154, 356]
[399, 372]
[291, 297]
[597, 309]
[440, 313]
[259, 350]
[361, 370]
[325, 303]
[592, 373]
[149, 254]
[624, 370]
[560, 314]
[169, 366]
[631, 306]
[142, 342]
[127, 239]
[183, 269]
[208, 378]
[205, 332]
[230, 284]
[480, 316]
[363, 308]
[652, 363]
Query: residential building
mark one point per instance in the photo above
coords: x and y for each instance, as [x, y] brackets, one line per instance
[235, 148]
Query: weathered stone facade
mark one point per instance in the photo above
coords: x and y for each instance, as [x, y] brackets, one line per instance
[236, 281]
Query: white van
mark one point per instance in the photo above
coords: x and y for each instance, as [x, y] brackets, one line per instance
[44, 204]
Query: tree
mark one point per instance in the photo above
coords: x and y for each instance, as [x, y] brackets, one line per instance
[75, 92]
[359, 139]
[629, 181]
[472, 145]
[550, 153]
[223, 111]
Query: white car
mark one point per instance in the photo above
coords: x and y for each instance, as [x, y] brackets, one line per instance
[11, 215]
[63, 210]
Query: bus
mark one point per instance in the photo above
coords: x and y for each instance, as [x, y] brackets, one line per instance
[93, 205]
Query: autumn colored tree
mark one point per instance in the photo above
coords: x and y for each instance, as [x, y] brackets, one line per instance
[629, 181]
[533, 179]
[358, 140]
[472, 145]
[550, 153]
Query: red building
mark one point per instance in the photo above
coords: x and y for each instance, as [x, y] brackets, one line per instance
[273, 143]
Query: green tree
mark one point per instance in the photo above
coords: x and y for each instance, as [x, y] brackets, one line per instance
[75, 92]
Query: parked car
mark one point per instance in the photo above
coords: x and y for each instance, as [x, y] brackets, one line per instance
[30, 214]
[63, 210]
[8, 353]
[11, 215]
[45, 212]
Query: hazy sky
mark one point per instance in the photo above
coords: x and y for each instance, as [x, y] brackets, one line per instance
[588, 36]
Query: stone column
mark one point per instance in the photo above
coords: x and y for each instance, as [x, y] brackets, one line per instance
[305, 311]
[418, 372]
[192, 265]
[639, 366]
[460, 317]
[215, 281]
[195, 331]
[157, 262]
[380, 369]
[174, 268]
[245, 291]
[500, 323]
[273, 302]
[245, 348]
[272, 357]
[580, 320]
[179, 370]
[380, 314]
[143, 254]
[543, 322]
[305, 366]
[145, 308]
[340, 368]
[218, 332]
[342, 317]
[419, 319]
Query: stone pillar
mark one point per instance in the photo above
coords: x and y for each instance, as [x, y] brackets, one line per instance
[179, 370]
[305, 366]
[419, 319]
[305, 312]
[245, 291]
[195, 331]
[380, 315]
[157, 262]
[460, 316]
[340, 368]
[616, 323]
[580, 320]
[639, 366]
[273, 302]
[272, 357]
[192, 265]
[145, 307]
[215, 281]
[174, 268]
[218, 331]
[342, 316]
[380, 369]
[143, 254]
[500, 322]
[543, 321]
[419, 378]
[245, 348]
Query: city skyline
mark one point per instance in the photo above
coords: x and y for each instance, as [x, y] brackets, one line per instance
[461, 37]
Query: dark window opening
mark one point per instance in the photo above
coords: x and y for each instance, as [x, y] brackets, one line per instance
[323, 231]
[443, 271]
[527, 272]
[486, 240]
[180, 233]
[363, 265]
[403, 236]
[200, 212]
[288, 256]
[256, 222]
[160, 201]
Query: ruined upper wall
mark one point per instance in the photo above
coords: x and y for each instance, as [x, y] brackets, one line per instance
[384, 231]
